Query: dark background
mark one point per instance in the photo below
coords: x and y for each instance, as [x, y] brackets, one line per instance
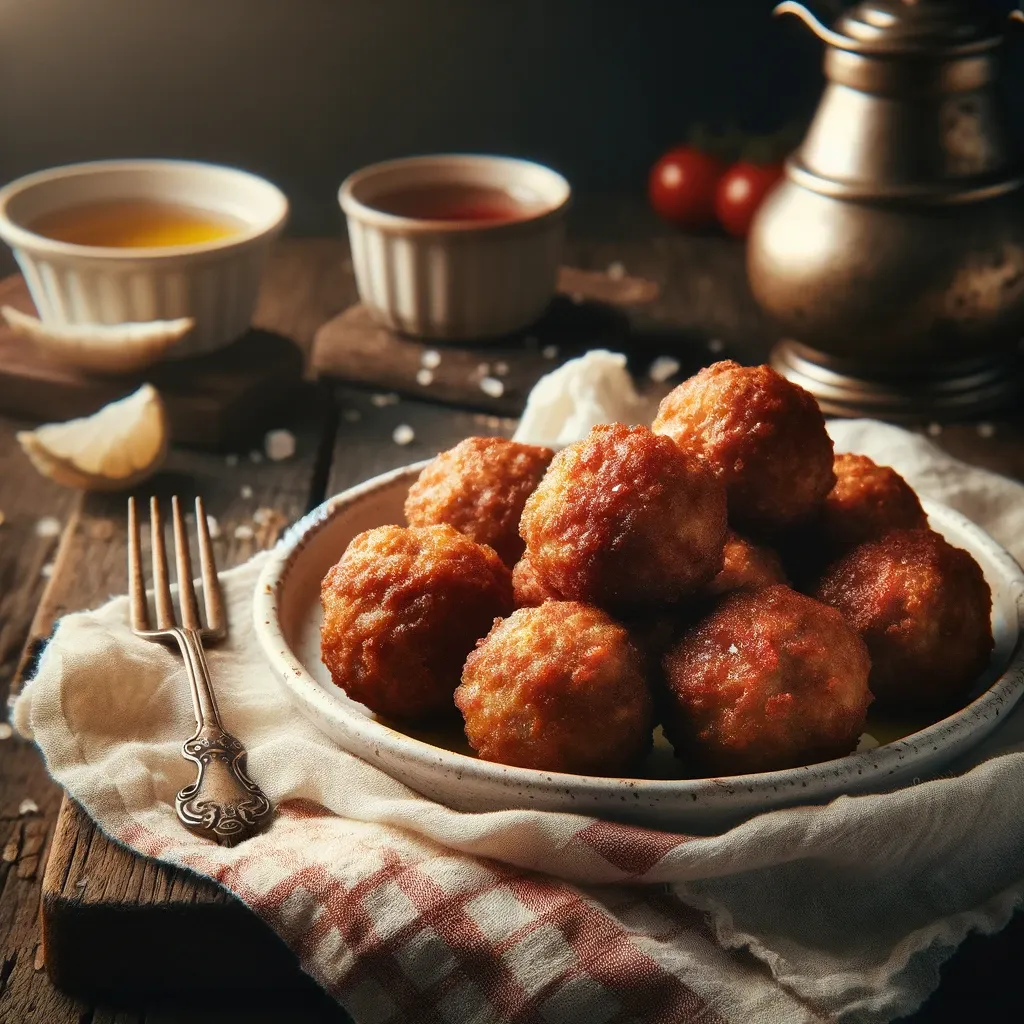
[305, 91]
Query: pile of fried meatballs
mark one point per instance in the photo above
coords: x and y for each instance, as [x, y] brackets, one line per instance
[721, 573]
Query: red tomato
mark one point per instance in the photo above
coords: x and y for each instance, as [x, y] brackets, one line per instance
[741, 191]
[682, 184]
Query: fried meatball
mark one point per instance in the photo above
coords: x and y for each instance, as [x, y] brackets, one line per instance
[771, 679]
[763, 436]
[746, 564]
[866, 502]
[527, 587]
[402, 609]
[480, 487]
[560, 688]
[625, 518]
[924, 610]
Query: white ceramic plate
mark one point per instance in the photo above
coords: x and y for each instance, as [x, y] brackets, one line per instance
[288, 615]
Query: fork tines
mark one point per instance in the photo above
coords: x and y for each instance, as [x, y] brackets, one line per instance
[164, 606]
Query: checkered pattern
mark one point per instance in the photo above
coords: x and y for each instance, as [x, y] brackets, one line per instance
[405, 930]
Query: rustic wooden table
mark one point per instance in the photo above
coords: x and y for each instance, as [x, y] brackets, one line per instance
[342, 436]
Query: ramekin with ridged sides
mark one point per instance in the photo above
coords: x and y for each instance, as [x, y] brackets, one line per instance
[215, 282]
[456, 280]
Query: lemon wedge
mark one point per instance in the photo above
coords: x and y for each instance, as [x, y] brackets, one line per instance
[115, 448]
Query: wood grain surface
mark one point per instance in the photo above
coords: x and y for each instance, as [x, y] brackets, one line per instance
[343, 435]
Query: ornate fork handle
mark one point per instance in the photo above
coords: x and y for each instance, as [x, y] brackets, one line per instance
[223, 803]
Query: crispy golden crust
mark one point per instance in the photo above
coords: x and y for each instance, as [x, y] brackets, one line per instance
[746, 565]
[402, 609]
[763, 436]
[924, 610]
[866, 502]
[624, 519]
[559, 688]
[528, 589]
[480, 487]
[771, 679]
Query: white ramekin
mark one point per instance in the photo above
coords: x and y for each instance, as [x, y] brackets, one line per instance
[213, 282]
[455, 280]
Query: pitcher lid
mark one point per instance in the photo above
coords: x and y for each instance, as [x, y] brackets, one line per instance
[891, 26]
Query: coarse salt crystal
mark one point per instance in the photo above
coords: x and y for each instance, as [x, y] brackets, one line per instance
[46, 571]
[382, 400]
[424, 377]
[501, 369]
[986, 430]
[231, 460]
[279, 445]
[733, 649]
[245, 491]
[213, 527]
[934, 429]
[492, 386]
[28, 806]
[262, 515]
[48, 526]
[6, 732]
[716, 345]
[255, 456]
[352, 415]
[549, 351]
[662, 368]
[403, 434]
[431, 359]
[244, 532]
[616, 270]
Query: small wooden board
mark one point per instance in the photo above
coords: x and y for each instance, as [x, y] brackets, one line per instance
[216, 401]
[492, 375]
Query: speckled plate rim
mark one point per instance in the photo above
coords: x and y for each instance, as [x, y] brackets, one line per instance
[866, 772]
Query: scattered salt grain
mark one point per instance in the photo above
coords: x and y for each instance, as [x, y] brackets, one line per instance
[662, 368]
[501, 369]
[733, 649]
[403, 434]
[279, 445]
[352, 415]
[213, 526]
[986, 430]
[262, 516]
[245, 491]
[48, 527]
[431, 359]
[255, 456]
[934, 429]
[866, 742]
[5, 731]
[382, 400]
[46, 571]
[28, 806]
[616, 271]
[549, 351]
[716, 345]
[424, 377]
[492, 386]
[244, 532]
[231, 460]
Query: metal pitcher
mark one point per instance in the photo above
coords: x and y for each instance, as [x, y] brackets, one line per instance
[892, 253]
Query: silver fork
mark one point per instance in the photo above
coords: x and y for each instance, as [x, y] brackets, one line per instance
[223, 803]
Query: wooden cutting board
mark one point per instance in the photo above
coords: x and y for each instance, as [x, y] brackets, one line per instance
[219, 400]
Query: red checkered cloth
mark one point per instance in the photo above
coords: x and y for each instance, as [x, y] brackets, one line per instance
[405, 910]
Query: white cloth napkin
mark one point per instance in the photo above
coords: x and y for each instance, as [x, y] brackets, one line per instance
[405, 910]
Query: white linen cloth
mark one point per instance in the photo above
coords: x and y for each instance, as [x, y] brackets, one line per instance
[407, 911]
